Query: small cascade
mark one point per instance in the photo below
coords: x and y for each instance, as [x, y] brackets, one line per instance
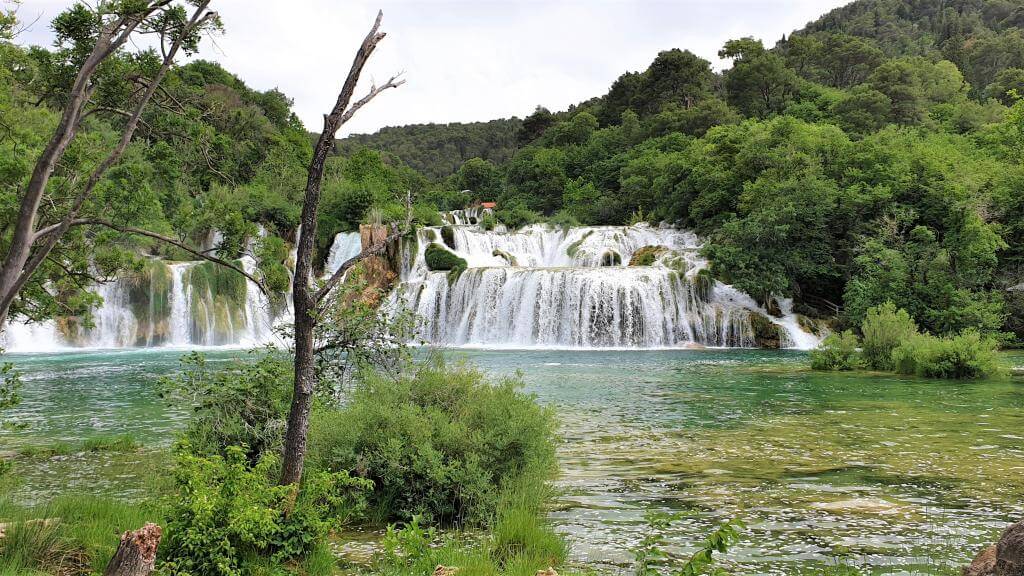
[346, 246]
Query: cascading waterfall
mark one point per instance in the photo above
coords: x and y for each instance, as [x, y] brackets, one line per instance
[540, 286]
[574, 288]
[177, 304]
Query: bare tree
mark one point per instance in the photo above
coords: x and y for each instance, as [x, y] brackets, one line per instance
[308, 298]
[31, 245]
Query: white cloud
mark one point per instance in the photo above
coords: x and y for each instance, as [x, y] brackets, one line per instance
[466, 60]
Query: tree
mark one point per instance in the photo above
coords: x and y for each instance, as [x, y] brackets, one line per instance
[95, 38]
[480, 176]
[534, 125]
[759, 83]
[309, 300]
[1008, 86]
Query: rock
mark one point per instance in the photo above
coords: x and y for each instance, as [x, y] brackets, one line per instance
[647, 255]
[1010, 552]
[773, 308]
[983, 565]
[549, 572]
[442, 570]
[766, 333]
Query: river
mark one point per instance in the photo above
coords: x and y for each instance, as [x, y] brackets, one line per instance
[902, 474]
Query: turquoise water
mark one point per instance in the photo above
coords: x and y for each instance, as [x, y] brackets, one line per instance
[900, 474]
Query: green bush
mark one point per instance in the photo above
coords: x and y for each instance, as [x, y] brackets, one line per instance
[488, 221]
[226, 514]
[516, 215]
[647, 255]
[244, 404]
[438, 258]
[442, 442]
[837, 352]
[885, 328]
[968, 355]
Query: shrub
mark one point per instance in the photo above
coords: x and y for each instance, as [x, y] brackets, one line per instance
[884, 329]
[516, 215]
[441, 442]
[837, 352]
[647, 255]
[488, 221]
[245, 404]
[968, 355]
[227, 513]
[438, 258]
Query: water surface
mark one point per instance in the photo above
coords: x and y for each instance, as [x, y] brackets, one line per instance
[902, 474]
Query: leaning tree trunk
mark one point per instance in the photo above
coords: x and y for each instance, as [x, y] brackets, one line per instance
[136, 555]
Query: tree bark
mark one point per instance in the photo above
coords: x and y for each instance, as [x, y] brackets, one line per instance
[136, 555]
[306, 301]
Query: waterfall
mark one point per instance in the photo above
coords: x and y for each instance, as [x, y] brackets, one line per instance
[539, 286]
[346, 246]
[574, 288]
[177, 305]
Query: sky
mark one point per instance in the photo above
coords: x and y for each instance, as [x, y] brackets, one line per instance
[464, 61]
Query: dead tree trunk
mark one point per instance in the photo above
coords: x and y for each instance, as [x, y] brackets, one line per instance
[305, 298]
[136, 555]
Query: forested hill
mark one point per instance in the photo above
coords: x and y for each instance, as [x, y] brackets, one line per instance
[437, 150]
[982, 37]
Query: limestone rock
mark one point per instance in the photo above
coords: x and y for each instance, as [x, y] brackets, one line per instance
[983, 565]
[1010, 551]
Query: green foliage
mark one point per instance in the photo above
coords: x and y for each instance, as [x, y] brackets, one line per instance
[647, 255]
[837, 352]
[448, 236]
[81, 541]
[438, 258]
[244, 404]
[519, 543]
[438, 150]
[516, 215]
[651, 557]
[226, 512]
[964, 356]
[442, 441]
[885, 328]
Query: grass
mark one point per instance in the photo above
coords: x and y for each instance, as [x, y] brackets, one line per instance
[112, 443]
[72, 534]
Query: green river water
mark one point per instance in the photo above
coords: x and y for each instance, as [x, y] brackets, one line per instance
[901, 475]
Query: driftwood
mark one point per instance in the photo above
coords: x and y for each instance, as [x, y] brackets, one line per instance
[136, 555]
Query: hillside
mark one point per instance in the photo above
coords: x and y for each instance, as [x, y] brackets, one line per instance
[437, 150]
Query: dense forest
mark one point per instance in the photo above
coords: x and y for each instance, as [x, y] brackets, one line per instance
[438, 150]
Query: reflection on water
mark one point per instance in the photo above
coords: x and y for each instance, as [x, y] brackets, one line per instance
[876, 470]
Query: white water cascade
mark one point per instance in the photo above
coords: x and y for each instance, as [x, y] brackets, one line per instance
[538, 287]
[574, 288]
[174, 305]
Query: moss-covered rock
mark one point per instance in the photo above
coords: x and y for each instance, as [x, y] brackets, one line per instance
[611, 258]
[703, 285]
[510, 259]
[149, 295]
[448, 236]
[439, 259]
[575, 246]
[647, 255]
[766, 333]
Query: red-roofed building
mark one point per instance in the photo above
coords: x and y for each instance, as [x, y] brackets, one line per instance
[489, 205]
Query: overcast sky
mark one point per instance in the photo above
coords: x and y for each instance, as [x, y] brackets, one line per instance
[465, 60]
